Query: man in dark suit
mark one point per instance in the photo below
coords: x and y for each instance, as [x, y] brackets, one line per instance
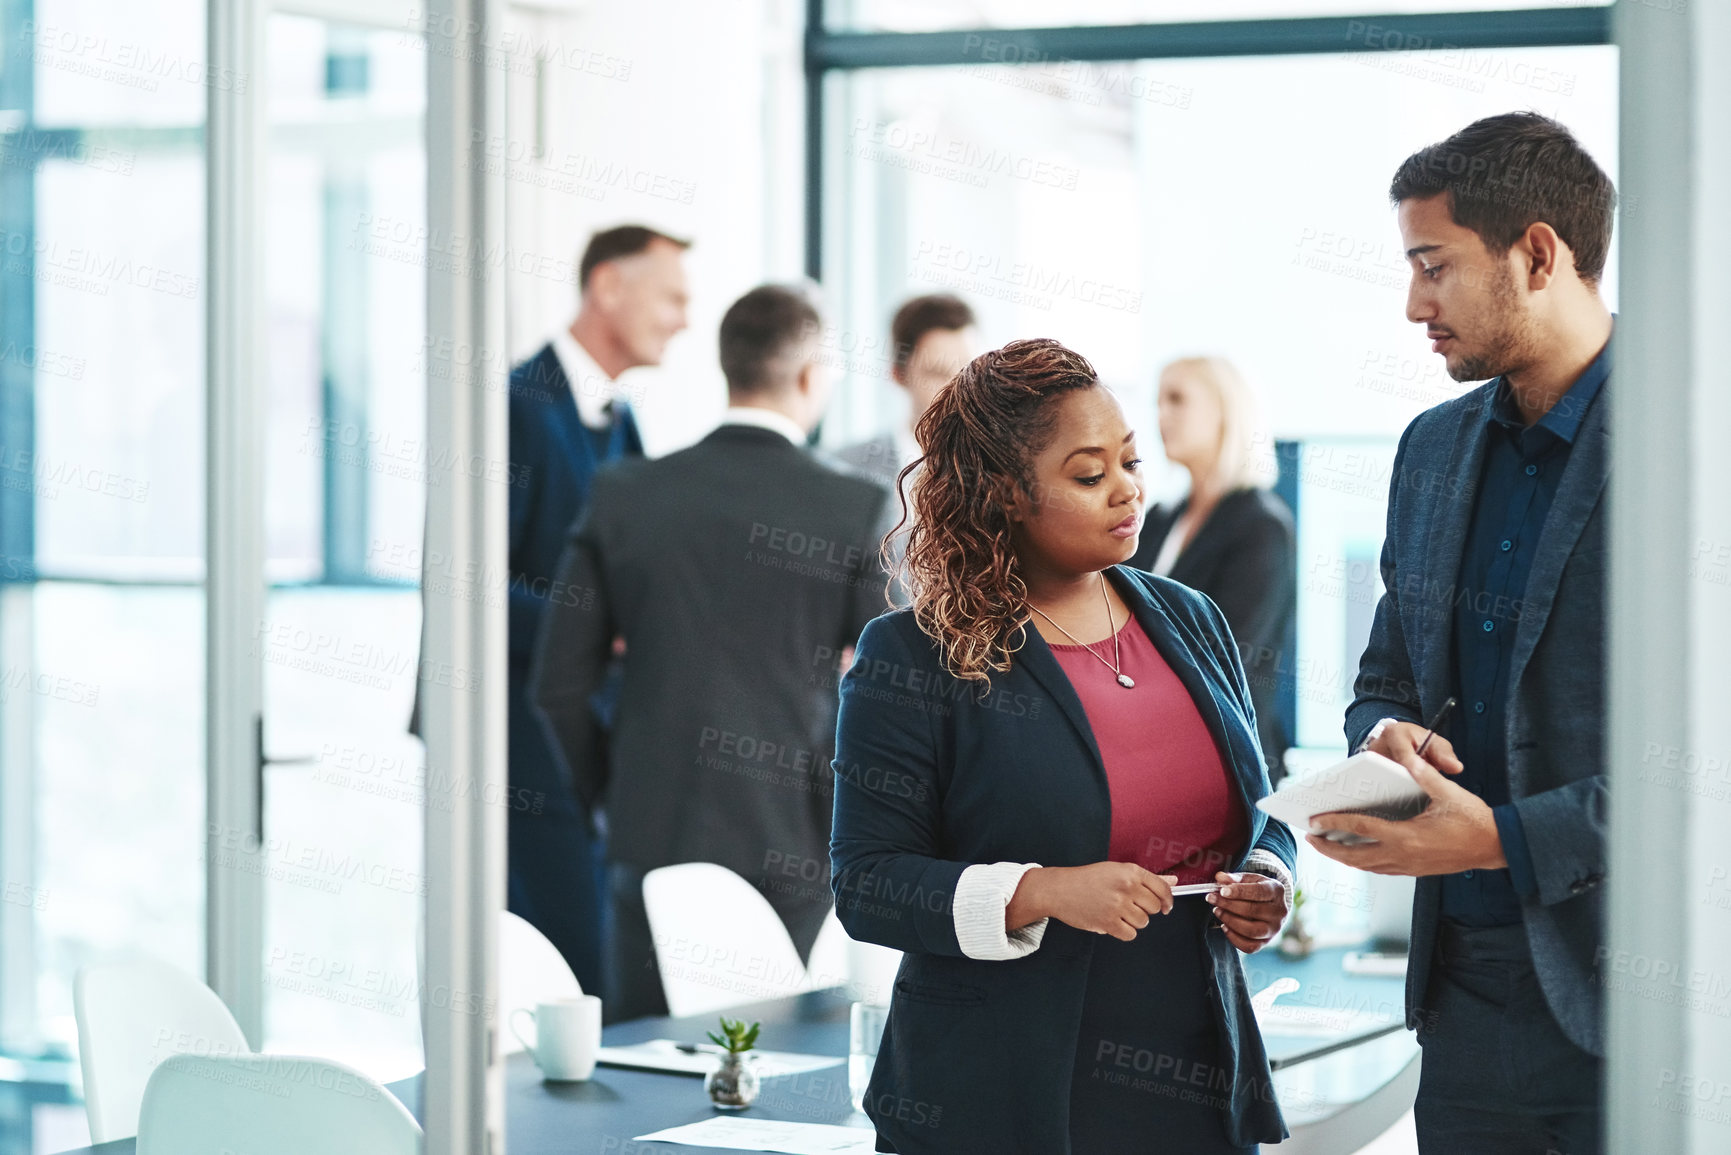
[568, 417]
[1494, 568]
[737, 572]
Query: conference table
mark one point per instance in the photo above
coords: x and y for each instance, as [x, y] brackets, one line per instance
[1338, 1042]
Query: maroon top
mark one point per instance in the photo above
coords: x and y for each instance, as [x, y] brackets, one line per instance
[1175, 809]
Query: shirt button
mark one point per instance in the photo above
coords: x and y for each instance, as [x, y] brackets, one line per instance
[1467, 874]
[1507, 546]
[1478, 707]
[1489, 625]
[1532, 471]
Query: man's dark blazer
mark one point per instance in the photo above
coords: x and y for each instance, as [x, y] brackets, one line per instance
[930, 781]
[737, 571]
[1556, 713]
[552, 461]
[553, 465]
[1245, 557]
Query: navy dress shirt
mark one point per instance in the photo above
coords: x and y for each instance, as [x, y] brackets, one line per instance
[1522, 467]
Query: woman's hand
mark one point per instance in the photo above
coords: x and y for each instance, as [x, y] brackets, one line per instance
[1115, 898]
[1250, 908]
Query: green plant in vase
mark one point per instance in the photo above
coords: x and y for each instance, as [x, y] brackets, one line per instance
[732, 1086]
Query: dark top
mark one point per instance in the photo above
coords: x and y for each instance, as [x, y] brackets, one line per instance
[553, 457]
[1523, 467]
[1244, 557]
[933, 775]
[737, 571]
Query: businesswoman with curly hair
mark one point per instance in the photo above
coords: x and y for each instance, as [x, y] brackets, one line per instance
[1028, 761]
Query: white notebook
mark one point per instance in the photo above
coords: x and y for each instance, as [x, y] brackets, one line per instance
[1366, 783]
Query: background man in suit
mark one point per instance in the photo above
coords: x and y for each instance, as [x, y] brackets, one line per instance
[737, 571]
[568, 417]
[1494, 566]
[932, 338]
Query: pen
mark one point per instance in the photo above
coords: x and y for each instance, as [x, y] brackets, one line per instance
[1436, 720]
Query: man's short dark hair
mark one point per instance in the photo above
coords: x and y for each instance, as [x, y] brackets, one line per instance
[922, 315]
[622, 241]
[762, 327]
[1505, 173]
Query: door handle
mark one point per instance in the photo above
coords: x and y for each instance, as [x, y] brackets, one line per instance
[260, 761]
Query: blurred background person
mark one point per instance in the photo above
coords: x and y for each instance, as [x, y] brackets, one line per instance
[932, 337]
[569, 416]
[736, 571]
[1229, 537]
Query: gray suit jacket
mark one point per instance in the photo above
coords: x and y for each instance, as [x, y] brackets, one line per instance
[1556, 714]
[879, 459]
[737, 571]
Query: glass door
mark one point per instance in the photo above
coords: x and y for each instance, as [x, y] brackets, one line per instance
[344, 476]
[102, 668]
[102, 297]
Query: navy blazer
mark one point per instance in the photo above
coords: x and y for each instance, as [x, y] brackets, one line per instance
[1556, 710]
[553, 462]
[932, 779]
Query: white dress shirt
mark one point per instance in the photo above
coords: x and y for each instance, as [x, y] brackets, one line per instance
[765, 419]
[591, 388]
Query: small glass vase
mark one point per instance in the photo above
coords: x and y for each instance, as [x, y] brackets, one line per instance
[1297, 941]
[732, 1086]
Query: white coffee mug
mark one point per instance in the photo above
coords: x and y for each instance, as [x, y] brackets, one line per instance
[566, 1037]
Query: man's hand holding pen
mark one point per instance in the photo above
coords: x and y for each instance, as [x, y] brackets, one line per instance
[1456, 832]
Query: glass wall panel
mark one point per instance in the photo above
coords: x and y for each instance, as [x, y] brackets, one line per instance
[935, 15]
[344, 500]
[102, 300]
[1143, 211]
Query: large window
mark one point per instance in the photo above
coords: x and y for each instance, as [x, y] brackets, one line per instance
[102, 300]
[102, 514]
[932, 15]
[1143, 210]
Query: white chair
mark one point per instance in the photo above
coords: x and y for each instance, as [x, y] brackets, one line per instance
[131, 1017]
[865, 969]
[1358, 1124]
[718, 942]
[531, 970]
[828, 964]
[270, 1105]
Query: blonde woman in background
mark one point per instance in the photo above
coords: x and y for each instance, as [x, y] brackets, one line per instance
[1229, 537]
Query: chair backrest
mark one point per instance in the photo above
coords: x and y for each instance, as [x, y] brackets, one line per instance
[828, 964]
[131, 1016]
[718, 942]
[270, 1105]
[531, 970]
[865, 970]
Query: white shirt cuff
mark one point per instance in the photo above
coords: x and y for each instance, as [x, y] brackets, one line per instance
[982, 894]
[1261, 861]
